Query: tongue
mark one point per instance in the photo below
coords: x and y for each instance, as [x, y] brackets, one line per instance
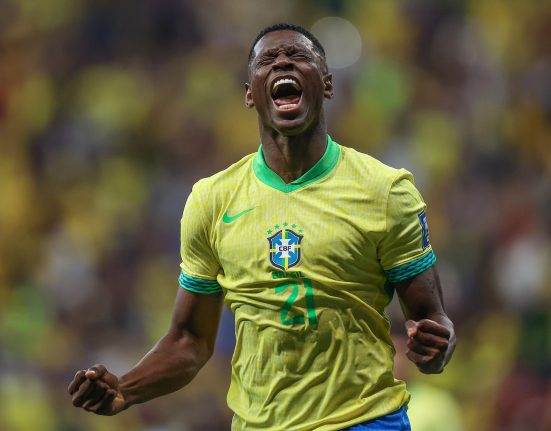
[287, 100]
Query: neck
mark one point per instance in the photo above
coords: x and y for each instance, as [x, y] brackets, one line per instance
[292, 156]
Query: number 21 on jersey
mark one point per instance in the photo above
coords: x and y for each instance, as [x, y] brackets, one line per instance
[294, 288]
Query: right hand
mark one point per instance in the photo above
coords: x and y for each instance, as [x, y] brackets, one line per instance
[97, 390]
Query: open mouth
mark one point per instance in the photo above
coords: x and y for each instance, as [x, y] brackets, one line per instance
[286, 93]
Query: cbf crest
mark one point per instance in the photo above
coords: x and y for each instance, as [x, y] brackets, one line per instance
[285, 246]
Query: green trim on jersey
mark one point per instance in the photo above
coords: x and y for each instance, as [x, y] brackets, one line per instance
[316, 172]
[411, 269]
[198, 285]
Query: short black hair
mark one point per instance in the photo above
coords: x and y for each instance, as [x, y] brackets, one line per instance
[292, 27]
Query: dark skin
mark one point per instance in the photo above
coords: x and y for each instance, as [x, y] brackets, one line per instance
[293, 140]
[431, 334]
[171, 364]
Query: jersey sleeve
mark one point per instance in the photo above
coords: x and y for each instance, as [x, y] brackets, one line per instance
[199, 267]
[405, 251]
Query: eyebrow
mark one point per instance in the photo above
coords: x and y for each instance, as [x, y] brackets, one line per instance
[289, 48]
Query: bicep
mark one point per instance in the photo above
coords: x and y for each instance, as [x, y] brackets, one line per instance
[421, 295]
[198, 315]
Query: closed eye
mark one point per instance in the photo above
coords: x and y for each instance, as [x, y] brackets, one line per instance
[265, 60]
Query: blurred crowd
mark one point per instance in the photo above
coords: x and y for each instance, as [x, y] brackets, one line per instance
[110, 111]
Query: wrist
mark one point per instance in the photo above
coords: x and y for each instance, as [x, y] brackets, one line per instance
[127, 392]
[432, 368]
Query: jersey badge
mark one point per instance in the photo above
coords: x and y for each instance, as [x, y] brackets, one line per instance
[424, 229]
[285, 246]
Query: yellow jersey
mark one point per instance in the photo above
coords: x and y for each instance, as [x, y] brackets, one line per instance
[306, 268]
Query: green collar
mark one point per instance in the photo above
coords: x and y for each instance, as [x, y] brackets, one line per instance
[316, 172]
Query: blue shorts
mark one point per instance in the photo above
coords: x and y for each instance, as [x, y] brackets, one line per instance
[397, 421]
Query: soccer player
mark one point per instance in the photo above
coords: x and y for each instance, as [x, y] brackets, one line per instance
[305, 241]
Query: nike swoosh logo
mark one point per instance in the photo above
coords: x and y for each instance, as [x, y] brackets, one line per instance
[228, 219]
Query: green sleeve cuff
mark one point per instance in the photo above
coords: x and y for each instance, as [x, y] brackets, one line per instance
[411, 269]
[198, 285]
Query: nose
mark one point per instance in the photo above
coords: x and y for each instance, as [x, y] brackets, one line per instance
[282, 62]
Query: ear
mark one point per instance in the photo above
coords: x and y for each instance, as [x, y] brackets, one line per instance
[248, 96]
[328, 86]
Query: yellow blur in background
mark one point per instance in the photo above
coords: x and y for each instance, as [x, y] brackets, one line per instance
[110, 111]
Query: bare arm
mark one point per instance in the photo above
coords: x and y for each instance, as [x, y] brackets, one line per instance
[171, 364]
[431, 334]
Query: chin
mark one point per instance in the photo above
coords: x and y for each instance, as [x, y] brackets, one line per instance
[290, 128]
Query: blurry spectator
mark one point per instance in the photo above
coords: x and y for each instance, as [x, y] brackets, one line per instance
[109, 111]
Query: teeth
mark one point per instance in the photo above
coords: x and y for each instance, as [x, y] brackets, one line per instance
[285, 81]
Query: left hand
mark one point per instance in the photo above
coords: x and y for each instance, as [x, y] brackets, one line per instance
[428, 343]
[98, 391]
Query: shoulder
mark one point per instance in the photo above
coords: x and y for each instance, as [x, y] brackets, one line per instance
[370, 182]
[211, 194]
[369, 167]
[224, 181]
[374, 176]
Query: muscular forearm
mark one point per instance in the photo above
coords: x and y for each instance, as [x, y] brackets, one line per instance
[431, 335]
[171, 364]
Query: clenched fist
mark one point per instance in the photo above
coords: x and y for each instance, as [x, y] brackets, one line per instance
[428, 343]
[97, 390]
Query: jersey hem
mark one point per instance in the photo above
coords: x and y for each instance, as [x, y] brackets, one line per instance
[334, 426]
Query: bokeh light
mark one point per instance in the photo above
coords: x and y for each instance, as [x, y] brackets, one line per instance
[340, 39]
[110, 111]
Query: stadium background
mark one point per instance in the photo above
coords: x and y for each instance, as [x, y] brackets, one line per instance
[109, 111]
